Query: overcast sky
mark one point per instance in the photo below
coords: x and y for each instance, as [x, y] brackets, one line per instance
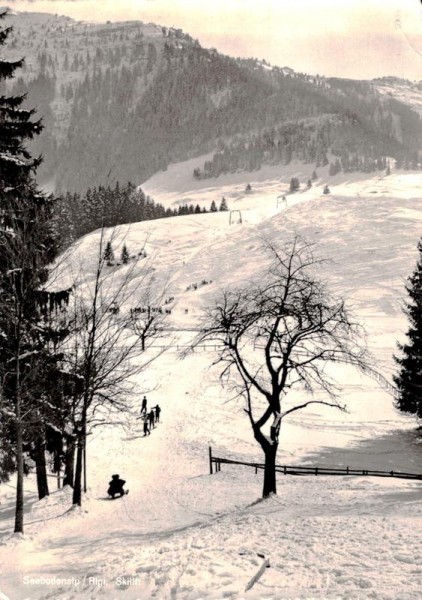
[350, 38]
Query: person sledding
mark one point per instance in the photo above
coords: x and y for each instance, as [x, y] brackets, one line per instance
[116, 486]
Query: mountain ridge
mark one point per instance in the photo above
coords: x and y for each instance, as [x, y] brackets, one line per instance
[121, 101]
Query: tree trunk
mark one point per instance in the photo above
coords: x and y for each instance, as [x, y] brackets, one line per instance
[77, 490]
[57, 461]
[84, 459]
[69, 469]
[42, 482]
[19, 484]
[269, 472]
[19, 448]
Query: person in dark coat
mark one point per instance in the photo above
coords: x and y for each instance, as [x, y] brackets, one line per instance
[157, 413]
[146, 428]
[151, 419]
[116, 486]
[144, 405]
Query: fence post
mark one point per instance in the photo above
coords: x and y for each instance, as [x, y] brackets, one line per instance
[210, 455]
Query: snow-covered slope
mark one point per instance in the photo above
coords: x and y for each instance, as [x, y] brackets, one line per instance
[181, 533]
[405, 91]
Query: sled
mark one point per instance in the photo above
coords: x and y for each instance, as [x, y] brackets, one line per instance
[116, 496]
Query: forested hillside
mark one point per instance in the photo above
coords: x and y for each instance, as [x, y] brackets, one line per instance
[121, 101]
[77, 214]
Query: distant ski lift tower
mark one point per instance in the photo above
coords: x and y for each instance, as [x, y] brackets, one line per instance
[281, 201]
[232, 216]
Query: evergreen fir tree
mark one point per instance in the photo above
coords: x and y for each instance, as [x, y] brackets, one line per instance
[109, 254]
[28, 245]
[125, 255]
[223, 204]
[63, 221]
[213, 207]
[337, 166]
[334, 168]
[409, 379]
[294, 185]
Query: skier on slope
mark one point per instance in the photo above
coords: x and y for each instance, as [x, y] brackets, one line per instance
[115, 486]
[144, 405]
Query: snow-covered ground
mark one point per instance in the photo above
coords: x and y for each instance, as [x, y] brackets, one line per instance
[181, 533]
[404, 91]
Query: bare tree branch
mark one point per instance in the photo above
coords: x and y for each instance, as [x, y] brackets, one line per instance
[280, 333]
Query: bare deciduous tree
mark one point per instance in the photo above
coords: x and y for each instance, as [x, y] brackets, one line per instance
[106, 351]
[278, 334]
[148, 320]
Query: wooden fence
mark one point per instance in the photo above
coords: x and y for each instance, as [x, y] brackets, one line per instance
[298, 470]
[382, 381]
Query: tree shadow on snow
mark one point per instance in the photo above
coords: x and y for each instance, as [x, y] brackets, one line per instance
[398, 450]
[7, 510]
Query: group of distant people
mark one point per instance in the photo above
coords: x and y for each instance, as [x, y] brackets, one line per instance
[149, 417]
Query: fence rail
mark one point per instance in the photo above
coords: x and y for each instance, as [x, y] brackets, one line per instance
[299, 470]
[382, 381]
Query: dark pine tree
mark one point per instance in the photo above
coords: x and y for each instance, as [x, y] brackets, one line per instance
[28, 245]
[294, 185]
[223, 204]
[213, 207]
[109, 254]
[125, 255]
[409, 379]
